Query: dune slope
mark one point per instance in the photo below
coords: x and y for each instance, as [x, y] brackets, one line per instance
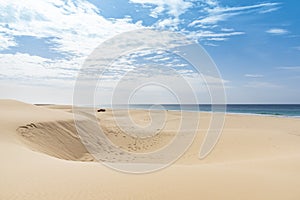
[41, 156]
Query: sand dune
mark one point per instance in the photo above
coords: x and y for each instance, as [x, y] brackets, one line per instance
[58, 139]
[42, 157]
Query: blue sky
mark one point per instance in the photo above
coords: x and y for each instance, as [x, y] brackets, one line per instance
[255, 44]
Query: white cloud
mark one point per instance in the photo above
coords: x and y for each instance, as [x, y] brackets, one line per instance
[277, 31]
[213, 13]
[170, 23]
[269, 10]
[227, 29]
[212, 2]
[219, 9]
[211, 44]
[6, 41]
[75, 26]
[254, 75]
[35, 70]
[173, 7]
[213, 19]
[155, 12]
[293, 68]
[262, 85]
[217, 39]
[71, 27]
[216, 13]
[210, 35]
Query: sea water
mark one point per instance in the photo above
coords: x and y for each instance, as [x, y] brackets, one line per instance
[288, 110]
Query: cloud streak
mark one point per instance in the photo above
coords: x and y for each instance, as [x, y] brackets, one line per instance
[262, 85]
[277, 31]
[218, 13]
[293, 68]
[213, 13]
[254, 75]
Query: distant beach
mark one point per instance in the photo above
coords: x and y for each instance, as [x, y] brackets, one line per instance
[283, 110]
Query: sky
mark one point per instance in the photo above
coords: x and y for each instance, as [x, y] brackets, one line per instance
[254, 44]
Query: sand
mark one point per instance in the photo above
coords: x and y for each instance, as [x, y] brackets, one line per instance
[42, 157]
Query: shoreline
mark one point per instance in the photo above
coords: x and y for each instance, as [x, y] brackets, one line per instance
[58, 106]
[210, 112]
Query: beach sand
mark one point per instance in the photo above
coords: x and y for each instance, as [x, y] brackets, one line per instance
[42, 157]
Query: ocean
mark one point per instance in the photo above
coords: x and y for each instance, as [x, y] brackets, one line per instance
[285, 110]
